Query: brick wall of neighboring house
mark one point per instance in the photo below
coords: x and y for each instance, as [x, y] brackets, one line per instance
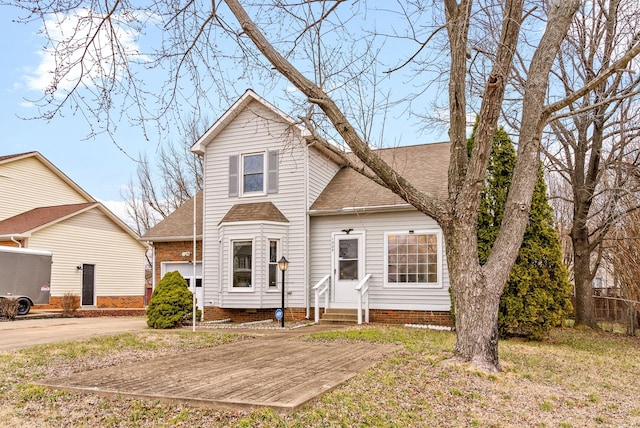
[102, 302]
[440, 318]
[10, 244]
[172, 252]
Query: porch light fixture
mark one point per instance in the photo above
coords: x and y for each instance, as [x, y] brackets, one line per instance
[347, 231]
[283, 264]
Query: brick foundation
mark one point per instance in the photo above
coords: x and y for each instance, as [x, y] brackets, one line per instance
[103, 302]
[120, 302]
[247, 315]
[386, 316]
[92, 313]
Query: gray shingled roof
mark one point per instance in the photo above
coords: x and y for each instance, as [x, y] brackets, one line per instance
[425, 166]
[259, 211]
[179, 224]
[37, 217]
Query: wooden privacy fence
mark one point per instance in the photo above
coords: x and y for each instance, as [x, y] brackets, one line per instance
[618, 311]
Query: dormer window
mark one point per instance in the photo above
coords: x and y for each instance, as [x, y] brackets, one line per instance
[253, 173]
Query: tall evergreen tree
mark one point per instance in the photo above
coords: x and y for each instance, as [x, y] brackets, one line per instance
[537, 296]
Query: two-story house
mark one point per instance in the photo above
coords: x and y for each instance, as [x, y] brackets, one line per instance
[272, 191]
[96, 256]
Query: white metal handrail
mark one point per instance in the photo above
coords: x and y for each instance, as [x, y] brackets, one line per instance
[363, 295]
[320, 290]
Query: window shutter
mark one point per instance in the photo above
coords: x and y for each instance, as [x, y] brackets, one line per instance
[272, 176]
[233, 175]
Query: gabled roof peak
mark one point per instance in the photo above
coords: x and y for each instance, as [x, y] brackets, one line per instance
[247, 98]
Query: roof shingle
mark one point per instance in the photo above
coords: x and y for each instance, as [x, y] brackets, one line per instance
[178, 224]
[37, 217]
[260, 211]
[425, 166]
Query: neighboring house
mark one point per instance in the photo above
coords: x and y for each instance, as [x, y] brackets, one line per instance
[272, 191]
[95, 254]
[172, 240]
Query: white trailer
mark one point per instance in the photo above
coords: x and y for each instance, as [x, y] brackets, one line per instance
[25, 275]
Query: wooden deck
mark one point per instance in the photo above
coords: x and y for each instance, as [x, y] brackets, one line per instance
[276, 370]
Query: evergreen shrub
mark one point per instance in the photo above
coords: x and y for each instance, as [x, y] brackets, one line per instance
[171, 302]
[537, 296]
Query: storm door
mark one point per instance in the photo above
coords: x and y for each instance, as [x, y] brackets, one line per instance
[348, 268]
[88, 285]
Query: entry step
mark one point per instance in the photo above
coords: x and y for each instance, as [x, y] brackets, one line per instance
[339, 316]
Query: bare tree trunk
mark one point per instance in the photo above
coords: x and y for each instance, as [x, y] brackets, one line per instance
[475, 298]
[582, 275]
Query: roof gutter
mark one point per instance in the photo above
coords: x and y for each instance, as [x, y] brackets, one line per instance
[373, 208]
[169, 238]
[13, 238]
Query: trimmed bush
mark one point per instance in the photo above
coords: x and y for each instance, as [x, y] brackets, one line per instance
[171, 302]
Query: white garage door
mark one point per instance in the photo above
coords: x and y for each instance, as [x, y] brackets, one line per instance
[186, 270]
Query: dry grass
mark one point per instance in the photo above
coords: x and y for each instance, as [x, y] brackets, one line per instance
[577, 379]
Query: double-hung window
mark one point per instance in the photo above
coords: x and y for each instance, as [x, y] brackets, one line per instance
[413, 259]
[253, 173]
[242, 264]
[273, 264]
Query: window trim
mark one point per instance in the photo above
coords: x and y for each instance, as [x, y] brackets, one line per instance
[439, 260]
[264, 174]
[252, 288]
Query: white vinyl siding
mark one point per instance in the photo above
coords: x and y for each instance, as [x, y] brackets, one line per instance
[375, 225]
[27, 183]
[321, 171]
[255, 129]
[92, 238]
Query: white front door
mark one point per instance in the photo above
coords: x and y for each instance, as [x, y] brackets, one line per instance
[348, 268]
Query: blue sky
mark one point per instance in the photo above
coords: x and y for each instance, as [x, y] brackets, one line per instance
[97, 164]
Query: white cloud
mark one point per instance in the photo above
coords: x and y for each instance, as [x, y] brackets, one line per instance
[119, 208]
[81, 48]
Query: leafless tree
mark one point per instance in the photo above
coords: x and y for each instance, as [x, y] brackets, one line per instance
[622, 255]
[593, 145]
[486, 47]
[562, 203]
[174, 178]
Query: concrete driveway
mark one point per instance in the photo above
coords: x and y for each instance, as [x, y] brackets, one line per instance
[28, 332]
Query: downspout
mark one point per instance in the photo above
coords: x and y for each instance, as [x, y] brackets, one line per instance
[13, 238]
[307, 266]
[153, 268]
[220, 266]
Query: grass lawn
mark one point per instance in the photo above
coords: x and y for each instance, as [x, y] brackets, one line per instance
[576, 379]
